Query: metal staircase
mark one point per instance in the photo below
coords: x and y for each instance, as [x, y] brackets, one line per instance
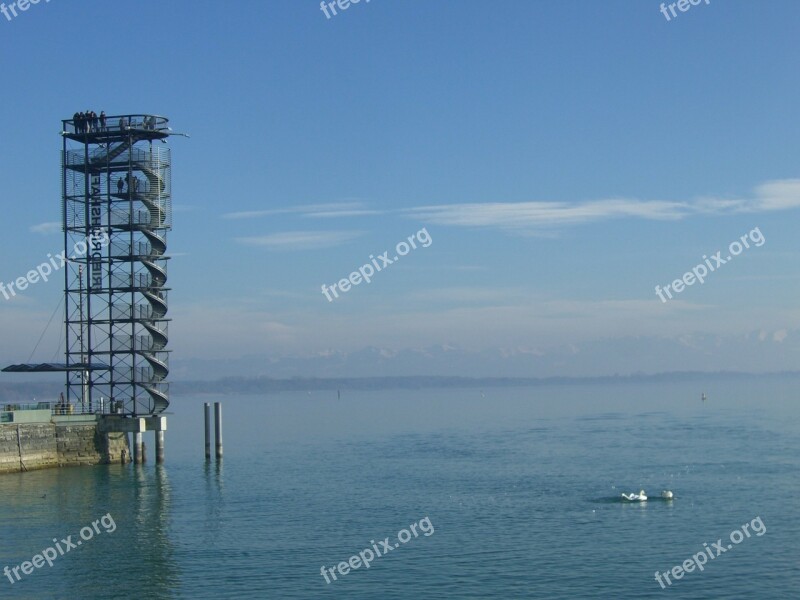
[122, 176]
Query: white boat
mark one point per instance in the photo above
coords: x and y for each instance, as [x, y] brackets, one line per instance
[640, 497]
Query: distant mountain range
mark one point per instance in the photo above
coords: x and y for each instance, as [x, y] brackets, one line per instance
[256, 385]
[757, 352]
[609, 360]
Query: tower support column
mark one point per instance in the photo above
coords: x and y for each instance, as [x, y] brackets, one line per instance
[159, 447]
[138, 454]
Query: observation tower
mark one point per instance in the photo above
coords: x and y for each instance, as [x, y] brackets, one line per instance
[116, 213]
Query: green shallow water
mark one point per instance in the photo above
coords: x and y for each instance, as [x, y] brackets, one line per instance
[520, 486]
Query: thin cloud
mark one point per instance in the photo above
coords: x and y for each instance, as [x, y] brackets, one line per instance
[47, 228]
[782, 194]
[775, 195]
[546, 214]
[457, 296]
[342, 213]
[336, 209]
[299, 240]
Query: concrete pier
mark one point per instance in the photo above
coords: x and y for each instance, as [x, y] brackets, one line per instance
[137, 426]
[44, 440]
[49, 441]
[218, 427]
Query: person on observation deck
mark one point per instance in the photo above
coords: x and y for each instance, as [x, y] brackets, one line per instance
[102, 120]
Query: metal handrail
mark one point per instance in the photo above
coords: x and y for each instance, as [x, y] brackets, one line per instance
[132, 122]
[15, 406]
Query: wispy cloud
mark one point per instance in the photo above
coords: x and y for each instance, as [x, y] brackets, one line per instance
[541, 217]
[342, 213]
[782, 194]
[468, 295]
[335, 209]
[46, 228]
[300, 240]
[770, 196]
[546, 214]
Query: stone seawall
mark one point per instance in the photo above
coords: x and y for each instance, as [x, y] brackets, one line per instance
[29, 446]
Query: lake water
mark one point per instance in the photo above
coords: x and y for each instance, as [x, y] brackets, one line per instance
[520, 487]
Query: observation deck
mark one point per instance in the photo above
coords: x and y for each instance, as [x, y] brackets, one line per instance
[117, 129]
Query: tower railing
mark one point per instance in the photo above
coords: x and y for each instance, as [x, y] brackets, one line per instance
[119, 124]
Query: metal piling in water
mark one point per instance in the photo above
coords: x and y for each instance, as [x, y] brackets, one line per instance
[218, 428]
[207, 409]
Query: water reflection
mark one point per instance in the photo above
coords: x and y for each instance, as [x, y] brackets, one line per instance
[214, 498]
[134, 559]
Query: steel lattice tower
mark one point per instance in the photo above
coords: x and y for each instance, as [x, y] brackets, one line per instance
[117, 204]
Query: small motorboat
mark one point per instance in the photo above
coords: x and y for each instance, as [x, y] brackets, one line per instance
[640, 497]
[667, 495]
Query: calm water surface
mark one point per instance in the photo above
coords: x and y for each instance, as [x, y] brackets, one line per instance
[520, 486]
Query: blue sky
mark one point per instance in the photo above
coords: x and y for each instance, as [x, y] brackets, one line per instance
[565, 158]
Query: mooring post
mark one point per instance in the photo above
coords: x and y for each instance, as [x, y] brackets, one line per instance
[159, 447]
[208, 430]
[218, 427]
[138, 448]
